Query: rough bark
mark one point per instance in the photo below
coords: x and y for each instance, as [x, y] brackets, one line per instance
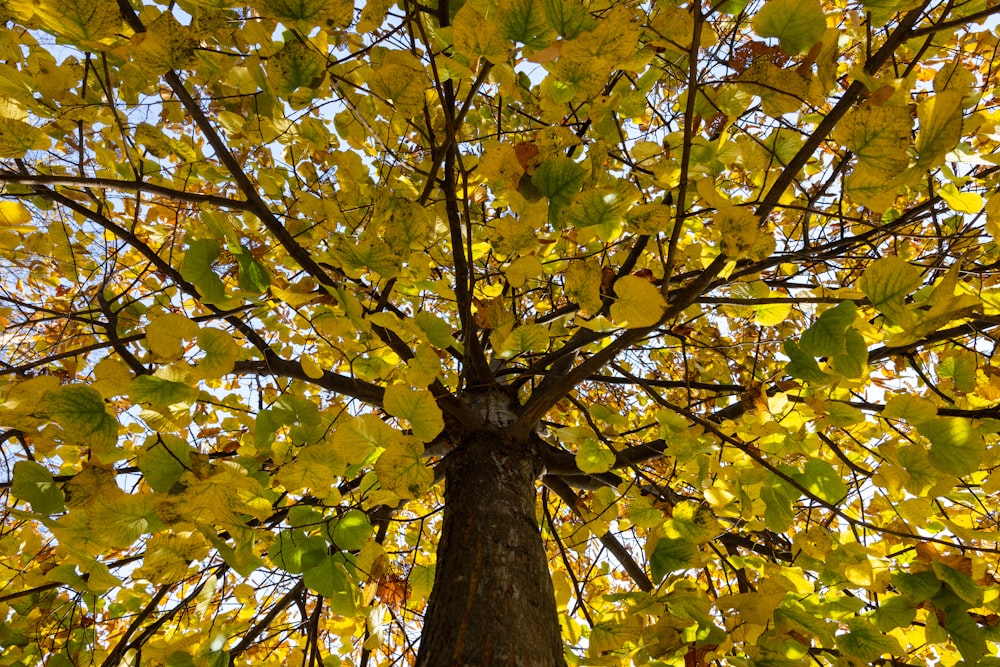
[493, 602]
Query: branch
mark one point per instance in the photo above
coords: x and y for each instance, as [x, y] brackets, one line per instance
[851, 95]
[272, 364]
[264, 623]
[554, 387]
[610, 542]
[7, 177]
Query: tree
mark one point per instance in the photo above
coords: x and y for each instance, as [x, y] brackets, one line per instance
[684, 312]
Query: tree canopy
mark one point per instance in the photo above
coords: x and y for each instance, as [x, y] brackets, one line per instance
[722, 275]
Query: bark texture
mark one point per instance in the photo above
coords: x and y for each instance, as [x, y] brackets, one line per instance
[493, 603]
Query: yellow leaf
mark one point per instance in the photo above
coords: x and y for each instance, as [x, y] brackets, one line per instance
[512, 235]
[310, 367]
[781, 91]
[879, 136]
[17, 138]
[940, 119]
[521, 270]
[220, 353]
[311, 13]
[81, 20]
[400, 80]
[166, 45]
[475, 36]
[583, 284]
[164, 334]
[401, 468]
[638, 304]
[113, 377]
[740, 234]
[356, 438]
[416, 406]
[962, 202]
[13, 215]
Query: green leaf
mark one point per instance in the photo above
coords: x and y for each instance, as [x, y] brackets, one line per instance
[956, 446]
[295, 552]
[886, 282]
[823, 481]
[289, 410]
[968, 637]
[804, 366]
[960, 583]
[438, 331]
[197, 269]
[327, 13]
[852, 361]
[670, 555]
[559, 179]
[826, 337]
[568, 17]
[161, 393]
[330, 579]
[525, 21]
[253, 277]
[34, 483]
[295, 66]
[82, 413]
[604, 208]
[865, 642]
[778, 496]
[798, 24]
[593, 457]
[894, 611]
[164, 460]
[416, 406]
[352, 530]
[525, 338]
[918, 586]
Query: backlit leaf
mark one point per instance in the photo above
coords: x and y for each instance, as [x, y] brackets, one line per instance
[797, 24]
[33, 483]
[886, 282]
[418, 407]
[164, 460]
[592, 456]
[82, 413]
[220, 352]
[165, 335]
[879, 136]
[670, 555]
[559, 179]
[401, 468]
[525, 338]
[80, 20]
[940, 119]
[956, 445]
[638, 303]
[161, 392]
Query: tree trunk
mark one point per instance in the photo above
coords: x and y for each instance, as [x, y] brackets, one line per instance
[492, 602]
